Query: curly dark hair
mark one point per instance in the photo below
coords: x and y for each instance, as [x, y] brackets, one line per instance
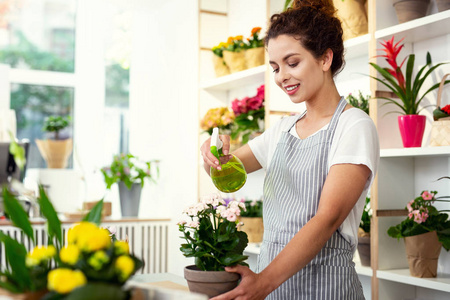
[314, 24]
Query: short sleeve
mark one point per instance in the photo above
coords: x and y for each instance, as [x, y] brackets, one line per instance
[356, 142]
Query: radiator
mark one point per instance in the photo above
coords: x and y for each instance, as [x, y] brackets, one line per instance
[148, 241]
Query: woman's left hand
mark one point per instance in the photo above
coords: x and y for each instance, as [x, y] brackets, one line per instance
[251, 286]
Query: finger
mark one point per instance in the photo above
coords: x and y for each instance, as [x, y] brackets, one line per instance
[226, 144]
[237, 269]
[225, 159]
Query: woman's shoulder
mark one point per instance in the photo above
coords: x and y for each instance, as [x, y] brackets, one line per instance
[354, 115]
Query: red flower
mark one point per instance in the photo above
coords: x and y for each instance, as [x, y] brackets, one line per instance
[254, 103]
[446, 109]
[392, 50]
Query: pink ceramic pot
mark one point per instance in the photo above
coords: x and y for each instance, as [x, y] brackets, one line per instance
[411, 129]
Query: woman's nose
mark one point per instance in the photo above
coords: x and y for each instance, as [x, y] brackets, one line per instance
[282, 75]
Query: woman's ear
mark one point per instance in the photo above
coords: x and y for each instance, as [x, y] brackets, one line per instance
[327, 60]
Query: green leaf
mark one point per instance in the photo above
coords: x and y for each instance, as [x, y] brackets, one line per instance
[232, 259]
[95, 214]
[17, 151]
[49, 212]
[17, 214]
[95, 291]
[9, 286]
[15, 256]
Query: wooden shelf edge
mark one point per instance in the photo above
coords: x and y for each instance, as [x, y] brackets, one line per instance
[391, 212]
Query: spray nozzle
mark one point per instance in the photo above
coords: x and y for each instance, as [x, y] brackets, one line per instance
[216, 143]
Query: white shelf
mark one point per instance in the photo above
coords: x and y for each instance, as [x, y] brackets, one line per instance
[253, 248]
[236, 80]
[419, 29]
[362, 270]
[416, 151]
[441, 282]
[358, 46]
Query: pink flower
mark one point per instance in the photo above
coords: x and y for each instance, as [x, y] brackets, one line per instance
[409, 207]
[424, 216]
[417, 216]
[236, 107]
[427, 195]
[254, 103]
[231, 217]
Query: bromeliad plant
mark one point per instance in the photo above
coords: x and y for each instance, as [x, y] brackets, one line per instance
[404, 86]
[211, 234]
[423, 217]
[129, 169]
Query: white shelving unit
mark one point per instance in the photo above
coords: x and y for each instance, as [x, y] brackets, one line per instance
[235, 80]
[440, 283]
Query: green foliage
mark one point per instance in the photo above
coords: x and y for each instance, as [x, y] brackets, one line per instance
[129, 169]
[366, 216]
[253, 209]
[17, 151]
[95, 214]
[424, 217]
[287, 4]
[56, 124]
[53, 222]
[213, 240]
[360, 101]
[254, 41]
[17, 214]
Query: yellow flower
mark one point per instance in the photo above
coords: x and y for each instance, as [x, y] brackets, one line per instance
[98, 259]
[39, 254]
[81, 228]
[63, 281]
[69, 254]
[121, 247]
[125, 266]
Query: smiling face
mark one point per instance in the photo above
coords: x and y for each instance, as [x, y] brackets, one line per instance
[297, 72]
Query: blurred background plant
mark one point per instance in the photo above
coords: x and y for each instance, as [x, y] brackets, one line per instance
[250, 114]
[54, 124]
[220, 117]
[364, 225]
[254, 41]
[360, 101]
[253, 208]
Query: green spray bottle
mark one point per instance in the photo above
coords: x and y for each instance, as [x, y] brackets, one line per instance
[232, 175]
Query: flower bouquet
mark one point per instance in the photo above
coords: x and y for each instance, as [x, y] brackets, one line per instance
[250, 114]
[425, 230]
[221, 117]
[213, 239]
[254, 53]
[234, 54]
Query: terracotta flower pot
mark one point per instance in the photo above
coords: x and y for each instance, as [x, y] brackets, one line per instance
[55, 152]
[23, 296]
[210, 283]
[423, 252]
[364, 250]
[408, 10]
[411, 128]
[254, 228]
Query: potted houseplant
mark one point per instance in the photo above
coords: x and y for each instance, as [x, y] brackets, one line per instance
[254, 53]
[129, 173]
[252, 221]
[213, 239]
[234, 54]
[364, 234]
[407, 89]
[360, 101]
[56, 149]
[220, 67]
[408, 10]
[220, 117]
[250, 114]
[425, 231]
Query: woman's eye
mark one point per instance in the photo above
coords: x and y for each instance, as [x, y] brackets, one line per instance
[275, 70]
[293, 65]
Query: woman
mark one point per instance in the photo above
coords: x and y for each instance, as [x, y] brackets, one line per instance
[319, 166]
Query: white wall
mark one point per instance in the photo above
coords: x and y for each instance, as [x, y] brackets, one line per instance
[163, 109]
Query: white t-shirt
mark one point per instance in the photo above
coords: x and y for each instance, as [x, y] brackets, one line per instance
[355, 141]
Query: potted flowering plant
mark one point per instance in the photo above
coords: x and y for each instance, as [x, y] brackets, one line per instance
[250, 114]
[220, 117]
[254, 53]
[425, 230]
[130, 173]
[213, 239]
[252, 221]
[56, 150]
[234, 54]
[407, 89]
[360, 101]
[220, 67]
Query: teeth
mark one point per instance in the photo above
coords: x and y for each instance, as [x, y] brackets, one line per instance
[292, 87]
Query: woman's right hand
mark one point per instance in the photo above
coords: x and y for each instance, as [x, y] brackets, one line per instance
[209, 159]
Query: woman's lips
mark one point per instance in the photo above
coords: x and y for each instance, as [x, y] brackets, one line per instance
[292, 89]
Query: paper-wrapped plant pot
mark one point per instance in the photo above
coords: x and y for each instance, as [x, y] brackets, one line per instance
[423, 252]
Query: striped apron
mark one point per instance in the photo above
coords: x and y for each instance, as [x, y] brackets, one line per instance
[292, 189]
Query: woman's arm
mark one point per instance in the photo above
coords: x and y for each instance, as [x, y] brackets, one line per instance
[341, 191]
[244, 153]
